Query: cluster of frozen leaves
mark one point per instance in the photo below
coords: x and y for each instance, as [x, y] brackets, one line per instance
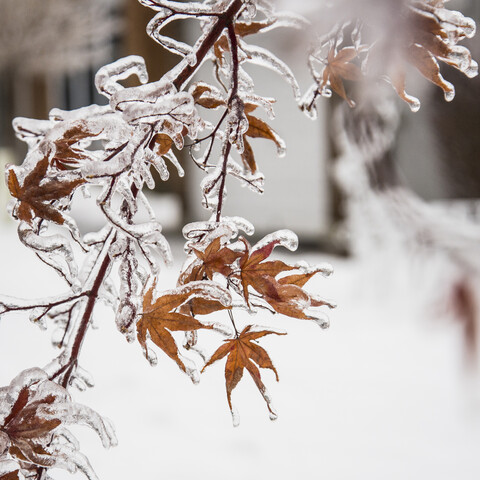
[111, 151]
[381, 40]
[34, 415]
[224, 272]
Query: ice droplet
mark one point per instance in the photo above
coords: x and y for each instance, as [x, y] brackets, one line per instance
[472, 70]
[272, 414]
[322, 320]
[151, 357]
[414, 104]
[449, 92]
[235, 416]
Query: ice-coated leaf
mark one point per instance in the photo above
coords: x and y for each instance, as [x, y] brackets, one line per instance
[243, 352]
[162, 315]
[33, 415]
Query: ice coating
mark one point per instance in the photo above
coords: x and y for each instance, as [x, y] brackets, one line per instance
[254, 181]
[30, 130]
[106, 79]
[321, 319]
[75, 413]
[284, 238]
[8, 466]
[325, 269]
[155, 26]
[235, 416]
[240, 223]
[204, 289]
[264, 102]
[264, 58]
[175, 7]
[45, 400]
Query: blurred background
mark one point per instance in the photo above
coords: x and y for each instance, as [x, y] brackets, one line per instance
[392, 390]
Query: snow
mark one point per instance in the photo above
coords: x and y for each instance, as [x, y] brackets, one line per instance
[381, 394]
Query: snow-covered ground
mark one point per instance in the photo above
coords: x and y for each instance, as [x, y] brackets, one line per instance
[381, 395]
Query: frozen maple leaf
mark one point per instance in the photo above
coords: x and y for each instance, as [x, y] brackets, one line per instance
[214, 259]
[33, 415]
[243, 353]
[423, 34]
[38, 192]
[338, 67]
[256, 272]
[285, 295]
[66, 155]
[165, 314]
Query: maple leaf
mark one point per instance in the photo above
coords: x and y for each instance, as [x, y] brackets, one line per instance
[38, 192]
[164, 315]
[243, 353]
[258, 273]
[284, 295]
[65, 154]
[339, 68]
[35, 413]
[216, 259]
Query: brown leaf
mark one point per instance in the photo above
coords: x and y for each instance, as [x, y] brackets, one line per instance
[339, 68]
[242, 353]
[160, 317]
[249, 108]
[215, 259]
[426, 64]
[164, 143]
[220, 47]
[23, 421]
[38, 192]
[10, 475]
[66, 156]
[248, 157]
[257, 128]
[284, 295]
[243, 28]
[207, 96]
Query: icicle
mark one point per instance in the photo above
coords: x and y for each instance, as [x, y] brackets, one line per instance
[170, 155]
[151, 356]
